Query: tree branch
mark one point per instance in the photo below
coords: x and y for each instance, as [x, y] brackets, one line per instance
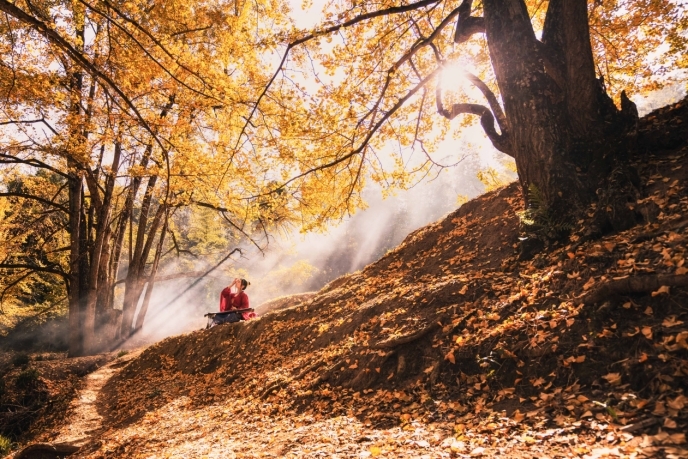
[491, 99]
[467, 25]
[328, 30]
[500, 142]
[9, 159]
[42, 269]
[35, 198]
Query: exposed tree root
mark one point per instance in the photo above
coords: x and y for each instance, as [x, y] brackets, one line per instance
[46, 451]
[679, 225]
[392, 343]
[635, 284]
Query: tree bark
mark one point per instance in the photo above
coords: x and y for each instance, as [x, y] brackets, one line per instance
[534, 107]
[151, 278]
[134, 285]
[567, 137]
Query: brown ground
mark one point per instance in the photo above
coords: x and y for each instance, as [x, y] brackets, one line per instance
[449, 346]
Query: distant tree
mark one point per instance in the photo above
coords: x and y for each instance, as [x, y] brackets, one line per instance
[135, 106]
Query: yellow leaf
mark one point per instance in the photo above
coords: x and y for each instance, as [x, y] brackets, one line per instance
[375, 451]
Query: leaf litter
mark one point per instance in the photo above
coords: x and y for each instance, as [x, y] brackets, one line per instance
[451, 345]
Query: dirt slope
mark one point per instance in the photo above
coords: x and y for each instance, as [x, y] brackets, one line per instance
[449, 346]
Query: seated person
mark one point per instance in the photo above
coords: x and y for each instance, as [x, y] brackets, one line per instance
[234, 297]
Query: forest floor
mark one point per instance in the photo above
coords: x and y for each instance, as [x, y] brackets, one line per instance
[451, 345]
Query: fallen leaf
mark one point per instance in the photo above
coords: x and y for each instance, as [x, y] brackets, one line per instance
[678, 403]
[647, 332]
[671, 322]
[538, 382]
[613, 378]
[477, 452]
[664, 289]
[659, 409]
[669, 423]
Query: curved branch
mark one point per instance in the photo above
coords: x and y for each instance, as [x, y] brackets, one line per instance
[467, 25]
[35, 198]
[491, 99]
[500, 142]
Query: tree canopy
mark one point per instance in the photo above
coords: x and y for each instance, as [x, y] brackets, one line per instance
[117, 114]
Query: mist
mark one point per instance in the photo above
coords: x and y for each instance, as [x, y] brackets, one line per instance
[295, 263]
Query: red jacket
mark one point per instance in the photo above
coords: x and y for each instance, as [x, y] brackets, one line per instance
[229, 300]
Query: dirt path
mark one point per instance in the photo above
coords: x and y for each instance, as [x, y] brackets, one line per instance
[84, 419]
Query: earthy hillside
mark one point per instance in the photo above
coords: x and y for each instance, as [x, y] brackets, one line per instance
[455, 344]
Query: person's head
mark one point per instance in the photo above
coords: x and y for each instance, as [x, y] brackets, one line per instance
[244, 283]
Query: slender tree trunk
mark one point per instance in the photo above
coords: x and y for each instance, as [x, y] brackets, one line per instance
[151, 278]
[77, 228]
[134, 284]
[75, 328]
[102, 232]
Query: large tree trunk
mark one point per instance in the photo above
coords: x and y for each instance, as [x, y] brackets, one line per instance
[534, 105]
[562, 126]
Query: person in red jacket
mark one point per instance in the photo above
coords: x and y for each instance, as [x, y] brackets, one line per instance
[234, 299]
[237, 299]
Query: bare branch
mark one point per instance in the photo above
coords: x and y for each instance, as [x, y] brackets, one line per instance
[35, 198]
[9, 159]
[467, 25]
[491, 99]
[224, 213]
[500, 142]
[36, 268]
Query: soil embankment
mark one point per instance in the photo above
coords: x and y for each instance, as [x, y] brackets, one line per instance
[451, 345]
